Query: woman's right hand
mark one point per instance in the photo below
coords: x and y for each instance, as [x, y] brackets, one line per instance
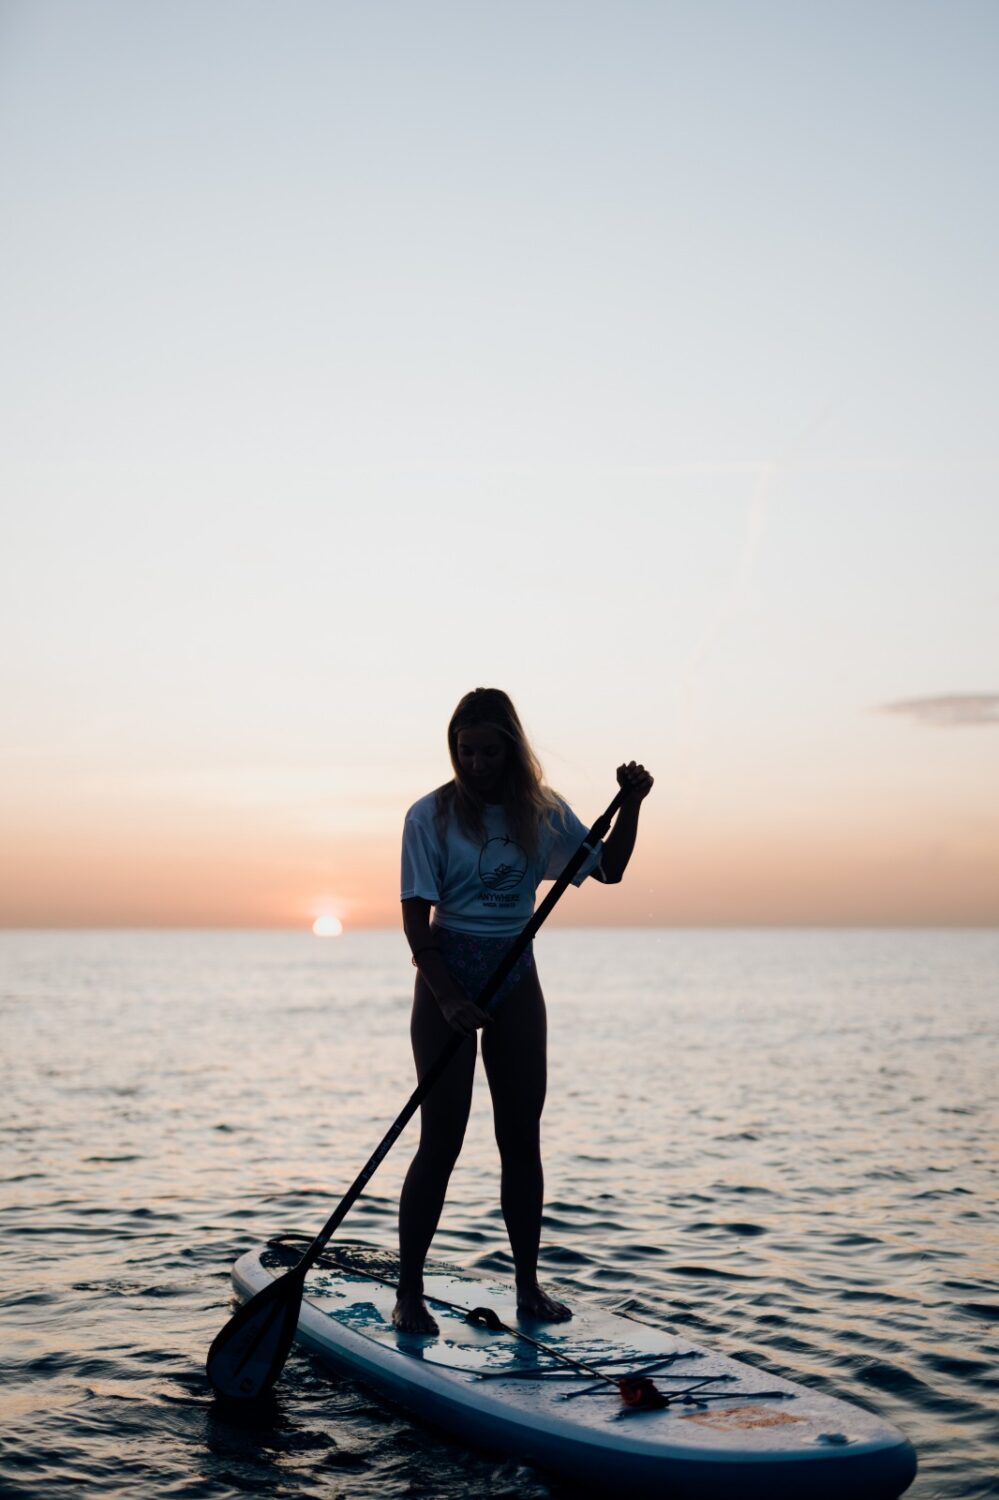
[460, 1012]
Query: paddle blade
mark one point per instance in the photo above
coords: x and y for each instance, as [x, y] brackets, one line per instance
[249, 1354]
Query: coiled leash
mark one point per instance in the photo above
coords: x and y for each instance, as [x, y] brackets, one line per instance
[637, 1391]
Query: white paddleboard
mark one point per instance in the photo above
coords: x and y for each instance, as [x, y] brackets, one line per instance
[739, 1431]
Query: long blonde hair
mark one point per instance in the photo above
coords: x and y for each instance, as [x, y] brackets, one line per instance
[527, 800]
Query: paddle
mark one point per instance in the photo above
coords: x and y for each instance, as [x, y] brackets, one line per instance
[247, 1356]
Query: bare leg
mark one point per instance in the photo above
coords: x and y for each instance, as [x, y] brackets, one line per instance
[443, 1117]
[514, 1053]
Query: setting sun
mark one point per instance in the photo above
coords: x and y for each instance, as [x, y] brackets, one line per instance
[327, 926]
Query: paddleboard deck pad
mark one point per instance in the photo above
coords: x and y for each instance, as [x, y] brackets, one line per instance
[728, 1429]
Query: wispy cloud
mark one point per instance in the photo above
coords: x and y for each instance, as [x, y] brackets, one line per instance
[948, 710]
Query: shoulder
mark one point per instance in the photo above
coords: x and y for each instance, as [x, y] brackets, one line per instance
[562, 825]
[422, 809]
[560, 815]
[428, 809]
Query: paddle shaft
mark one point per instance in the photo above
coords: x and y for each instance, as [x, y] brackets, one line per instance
[485, 1001]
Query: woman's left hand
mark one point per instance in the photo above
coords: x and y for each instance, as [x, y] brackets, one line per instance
[635, 780]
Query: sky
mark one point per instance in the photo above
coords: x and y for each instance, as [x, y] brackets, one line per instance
[640, 359]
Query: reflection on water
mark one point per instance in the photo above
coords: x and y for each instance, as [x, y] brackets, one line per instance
[781, 1142]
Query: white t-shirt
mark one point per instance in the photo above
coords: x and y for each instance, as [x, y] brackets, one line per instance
[486, 886]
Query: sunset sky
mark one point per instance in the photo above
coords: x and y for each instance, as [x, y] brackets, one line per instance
[639, 358]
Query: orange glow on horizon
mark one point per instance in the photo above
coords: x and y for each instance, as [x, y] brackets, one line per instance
[691, 876]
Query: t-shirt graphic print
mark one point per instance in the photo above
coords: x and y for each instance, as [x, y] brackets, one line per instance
[502, 864]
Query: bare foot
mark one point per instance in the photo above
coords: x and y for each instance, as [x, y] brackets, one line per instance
[532, 1302]
[410, 1314]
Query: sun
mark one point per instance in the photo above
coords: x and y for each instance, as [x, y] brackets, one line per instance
[327, 926]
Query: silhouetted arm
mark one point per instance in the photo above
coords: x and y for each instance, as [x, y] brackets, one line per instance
[620, 842]
[455, 1006]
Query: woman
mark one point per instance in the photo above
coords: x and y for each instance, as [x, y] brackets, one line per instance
[476, 850]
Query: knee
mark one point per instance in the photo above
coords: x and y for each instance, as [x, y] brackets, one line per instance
[439, 1149]
[519, 1141]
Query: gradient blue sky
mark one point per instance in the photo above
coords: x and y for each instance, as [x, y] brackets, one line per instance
[641, 359]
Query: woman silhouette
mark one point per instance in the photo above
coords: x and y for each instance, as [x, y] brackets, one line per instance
[475, 851]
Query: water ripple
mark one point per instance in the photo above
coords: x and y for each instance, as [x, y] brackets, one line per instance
[821, 1211]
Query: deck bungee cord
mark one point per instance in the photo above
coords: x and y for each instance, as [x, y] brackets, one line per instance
[637, 1390]
[704, 1430]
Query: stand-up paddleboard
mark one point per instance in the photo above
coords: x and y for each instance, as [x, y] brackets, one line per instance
[727, 1429]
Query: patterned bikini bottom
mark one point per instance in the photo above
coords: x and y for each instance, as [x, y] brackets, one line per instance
[472, 960]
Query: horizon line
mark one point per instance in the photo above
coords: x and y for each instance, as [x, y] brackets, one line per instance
[306, 930]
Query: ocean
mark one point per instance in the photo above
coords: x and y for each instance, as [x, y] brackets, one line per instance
[782, 1143]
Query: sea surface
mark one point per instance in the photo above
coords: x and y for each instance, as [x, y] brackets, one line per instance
[781, 1143]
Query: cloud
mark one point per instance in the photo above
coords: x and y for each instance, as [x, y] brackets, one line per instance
[949, 710]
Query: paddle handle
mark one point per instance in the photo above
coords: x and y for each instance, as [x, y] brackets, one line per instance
[485, 1001]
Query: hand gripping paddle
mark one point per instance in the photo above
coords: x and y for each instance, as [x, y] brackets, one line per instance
[247, 1356]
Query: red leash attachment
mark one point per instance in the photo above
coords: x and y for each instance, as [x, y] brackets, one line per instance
[639, 1393]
